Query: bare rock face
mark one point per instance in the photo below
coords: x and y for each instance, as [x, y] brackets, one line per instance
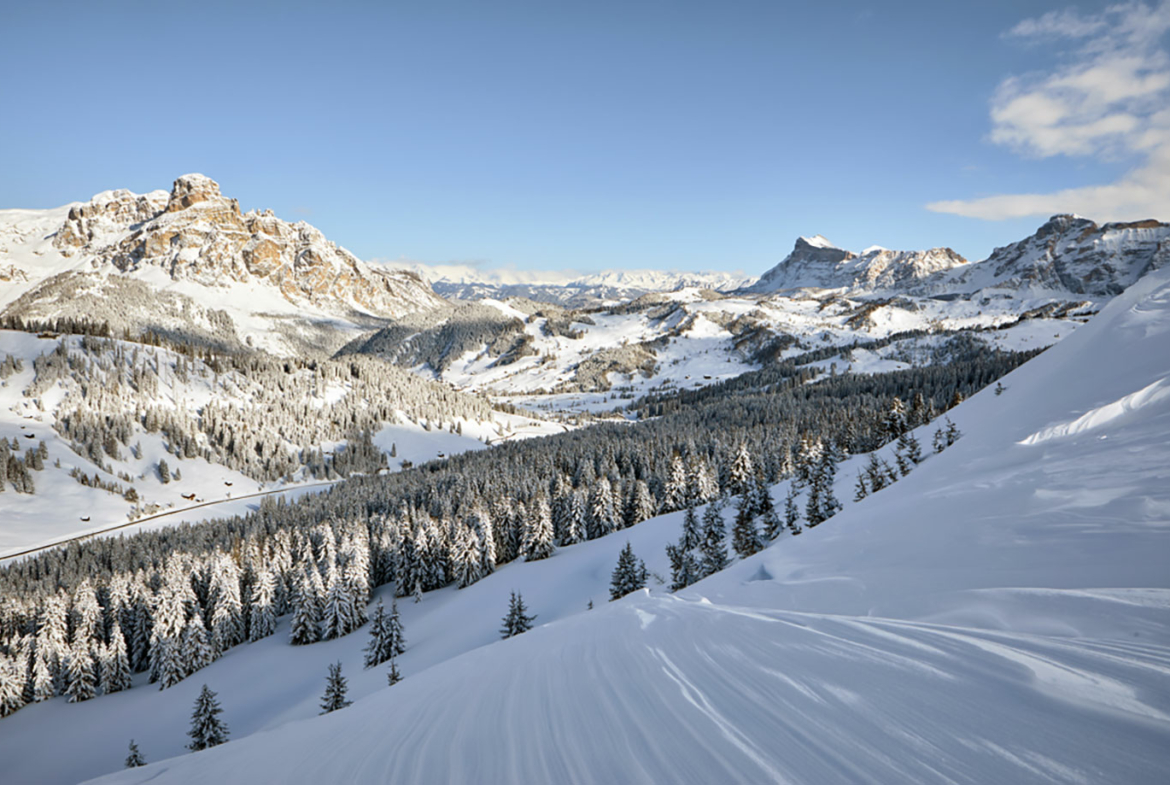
[1074, 254]
[815, 263]
[196, 234]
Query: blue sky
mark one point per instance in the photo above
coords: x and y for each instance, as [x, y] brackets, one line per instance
[598, 135]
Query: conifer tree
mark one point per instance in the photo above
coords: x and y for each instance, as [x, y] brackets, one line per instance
[714, 542]
[306, 618]
[628, 576]
[198, 651]
[134, 759]
[745, 537]
[791, 511]
[116, 663]
[907, 452]
[82, 682]
[262, 622]
[684, 569]
[690, 528]
[517, 619]
[11, 685]
[539, 533]
[207, 729]
[380, 648]
[860, 489]
[393, 676]
[394, 630]
[335, 690]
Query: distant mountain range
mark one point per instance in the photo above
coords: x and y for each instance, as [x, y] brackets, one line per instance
[1068, 254]
[188, 264]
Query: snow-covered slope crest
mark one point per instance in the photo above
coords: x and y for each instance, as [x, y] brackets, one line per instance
[1002, 614]
[817, 263]
[195, 243]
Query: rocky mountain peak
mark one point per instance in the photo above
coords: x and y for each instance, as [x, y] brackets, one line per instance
[191, 189]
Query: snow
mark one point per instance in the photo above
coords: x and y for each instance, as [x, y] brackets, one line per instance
[817, 241]
[965, 625]
[62, 507]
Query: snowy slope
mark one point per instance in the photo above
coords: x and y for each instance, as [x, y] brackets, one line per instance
[1000, 615]
[62, 507]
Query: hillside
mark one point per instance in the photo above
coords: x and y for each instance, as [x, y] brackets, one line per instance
[110, 413]
[999, 615]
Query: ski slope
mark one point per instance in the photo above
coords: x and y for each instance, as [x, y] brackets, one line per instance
[1000, 615]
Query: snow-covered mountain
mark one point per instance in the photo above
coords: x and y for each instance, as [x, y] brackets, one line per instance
[189, 263]
[1068, 255]
[462, 282]
[817, 263]
[1002, 614]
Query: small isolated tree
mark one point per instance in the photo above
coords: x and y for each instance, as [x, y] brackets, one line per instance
[628, 576]
[517, 620]
[393, 677]
[164, 471]
[380, 648]
[207, 729]
[335, 690]
[134, 759]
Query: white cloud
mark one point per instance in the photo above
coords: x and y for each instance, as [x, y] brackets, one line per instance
[1108, 102]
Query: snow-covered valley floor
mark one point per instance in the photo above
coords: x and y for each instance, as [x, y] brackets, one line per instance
[1000, 615]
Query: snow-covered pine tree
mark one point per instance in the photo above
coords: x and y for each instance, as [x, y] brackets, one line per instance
[745, 537]
[684, 569]
[539, 531]
[380, 648]
[134, 759]
[262, 621]
[628, 576]
[335, 689]
[116, 674]
[82, 681]
[907, 452]
[395, 630]
[517, 619]
[198, 650]
[640, 505]
[339, 617]
[305, 625]
[465, 557]
[11, 685]
[207, 729]
[742, 472]
[714, 542]
[167, 665]
[676, 485]
[772, 523]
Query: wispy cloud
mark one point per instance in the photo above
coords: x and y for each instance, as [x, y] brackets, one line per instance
[1109, 101]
